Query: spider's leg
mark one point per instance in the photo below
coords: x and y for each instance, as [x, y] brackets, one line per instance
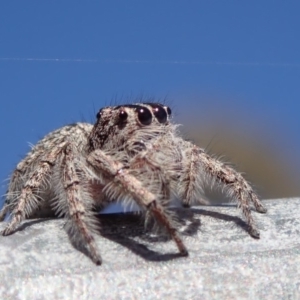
[27, 201]
[15, 184]
[257, 204]
[4, 211]
[103, 163]
[191, 186]
[232, 181]
[80, 216]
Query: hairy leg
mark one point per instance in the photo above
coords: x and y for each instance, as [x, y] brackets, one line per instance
[4, 211]
[15, 185]
[79, 211]
[233, 182]
[103, 163]
[27, 201]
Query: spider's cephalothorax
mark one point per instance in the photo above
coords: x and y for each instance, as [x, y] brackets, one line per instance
[115, 125]
[132, 153]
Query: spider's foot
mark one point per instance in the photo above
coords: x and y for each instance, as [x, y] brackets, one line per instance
[94, 255]
[184, 252]
[261, 209]
[8, 230]
[97, 260]
[181, 247]
[254, 233]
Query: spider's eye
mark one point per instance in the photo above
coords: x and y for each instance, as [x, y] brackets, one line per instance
[144, 115]
[123, 116]
[160, 114]
[168, 109]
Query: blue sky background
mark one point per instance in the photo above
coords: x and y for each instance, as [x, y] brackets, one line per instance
[217, 62]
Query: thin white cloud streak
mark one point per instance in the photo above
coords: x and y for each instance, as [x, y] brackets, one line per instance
[166, 62]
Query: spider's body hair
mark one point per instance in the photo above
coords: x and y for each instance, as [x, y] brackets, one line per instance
[134, 154]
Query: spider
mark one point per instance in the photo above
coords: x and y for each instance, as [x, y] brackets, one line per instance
[132, 153]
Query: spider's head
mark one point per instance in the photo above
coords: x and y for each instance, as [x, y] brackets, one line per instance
[117, 124]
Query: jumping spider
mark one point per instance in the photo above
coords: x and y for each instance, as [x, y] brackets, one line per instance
[132, 153]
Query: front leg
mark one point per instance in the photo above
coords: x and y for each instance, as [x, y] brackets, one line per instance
[104, 164]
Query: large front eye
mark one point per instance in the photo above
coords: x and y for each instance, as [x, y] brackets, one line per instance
[160, 114]
[144, 115]
[123, 116]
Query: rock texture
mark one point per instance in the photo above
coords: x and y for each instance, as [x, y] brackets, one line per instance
[38, 261]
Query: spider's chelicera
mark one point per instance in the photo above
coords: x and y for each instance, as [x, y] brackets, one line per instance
[132, 153]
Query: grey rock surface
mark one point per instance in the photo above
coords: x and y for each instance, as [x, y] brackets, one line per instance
[224, 262]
